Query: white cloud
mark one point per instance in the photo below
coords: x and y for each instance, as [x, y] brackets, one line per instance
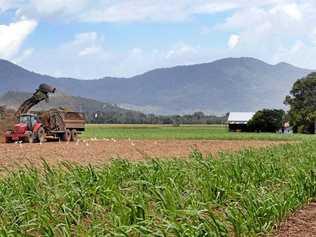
[215, 6]
[145, 10]
[6, 4]
[181, 50]
[124, 10]
[23, 56]
[288, 52]
[298, 53]
[141, 10]
[89, 51]
[268, 31]
[52, 8]
[139, 60]
[85, 56]
[87, 38]
[313, 36]
[136, 51]
[13, 35]
[162, 10]
[233, 41]
[291, 10]
[86, 44]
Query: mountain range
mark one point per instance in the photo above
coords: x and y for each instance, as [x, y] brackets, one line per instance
[230, 84]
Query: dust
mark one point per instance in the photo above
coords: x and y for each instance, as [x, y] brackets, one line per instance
[7, 121]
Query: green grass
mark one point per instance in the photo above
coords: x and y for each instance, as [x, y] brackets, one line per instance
[217, 132]
[242, 194]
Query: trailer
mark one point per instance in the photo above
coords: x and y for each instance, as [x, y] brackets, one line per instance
[62, 125]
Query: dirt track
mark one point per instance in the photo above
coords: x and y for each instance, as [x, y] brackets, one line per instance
[98, 152]
[302, 223]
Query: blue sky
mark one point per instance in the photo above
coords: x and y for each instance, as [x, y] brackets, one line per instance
[93, 39]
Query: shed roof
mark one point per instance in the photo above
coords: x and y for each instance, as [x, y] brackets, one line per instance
[240, 117]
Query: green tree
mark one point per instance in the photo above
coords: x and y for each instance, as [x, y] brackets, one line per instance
[302, 102]
[267, 120]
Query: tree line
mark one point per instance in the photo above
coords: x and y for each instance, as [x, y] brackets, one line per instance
[132, 117]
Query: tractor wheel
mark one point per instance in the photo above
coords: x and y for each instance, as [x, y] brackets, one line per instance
[67, 136]
[41, 135]
[74, 135]
[7, 137]
[8, 140]
[29, 138]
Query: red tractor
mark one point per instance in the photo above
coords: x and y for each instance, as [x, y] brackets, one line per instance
[27, 129]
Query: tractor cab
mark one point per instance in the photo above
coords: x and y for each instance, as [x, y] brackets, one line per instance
[28, 120]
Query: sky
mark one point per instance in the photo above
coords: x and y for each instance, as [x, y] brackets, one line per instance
[91, 39]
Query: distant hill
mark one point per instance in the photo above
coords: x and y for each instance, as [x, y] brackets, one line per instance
[12, 100]
[231, 84]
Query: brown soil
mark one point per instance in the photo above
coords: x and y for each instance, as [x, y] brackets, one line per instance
[301, 224]
[98, 152]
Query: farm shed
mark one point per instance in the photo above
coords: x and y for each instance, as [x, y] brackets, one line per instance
[237, 121]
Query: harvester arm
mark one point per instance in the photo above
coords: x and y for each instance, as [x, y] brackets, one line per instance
[40, 95]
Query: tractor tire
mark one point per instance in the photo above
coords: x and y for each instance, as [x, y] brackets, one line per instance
[29, 138]
[8, 140]
[41, 135]
[67, 136]
[74, 135]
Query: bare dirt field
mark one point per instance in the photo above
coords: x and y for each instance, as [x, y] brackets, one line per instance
[98, 152]
[301, 223]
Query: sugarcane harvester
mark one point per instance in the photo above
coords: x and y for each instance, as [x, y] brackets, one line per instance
[55, 124]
